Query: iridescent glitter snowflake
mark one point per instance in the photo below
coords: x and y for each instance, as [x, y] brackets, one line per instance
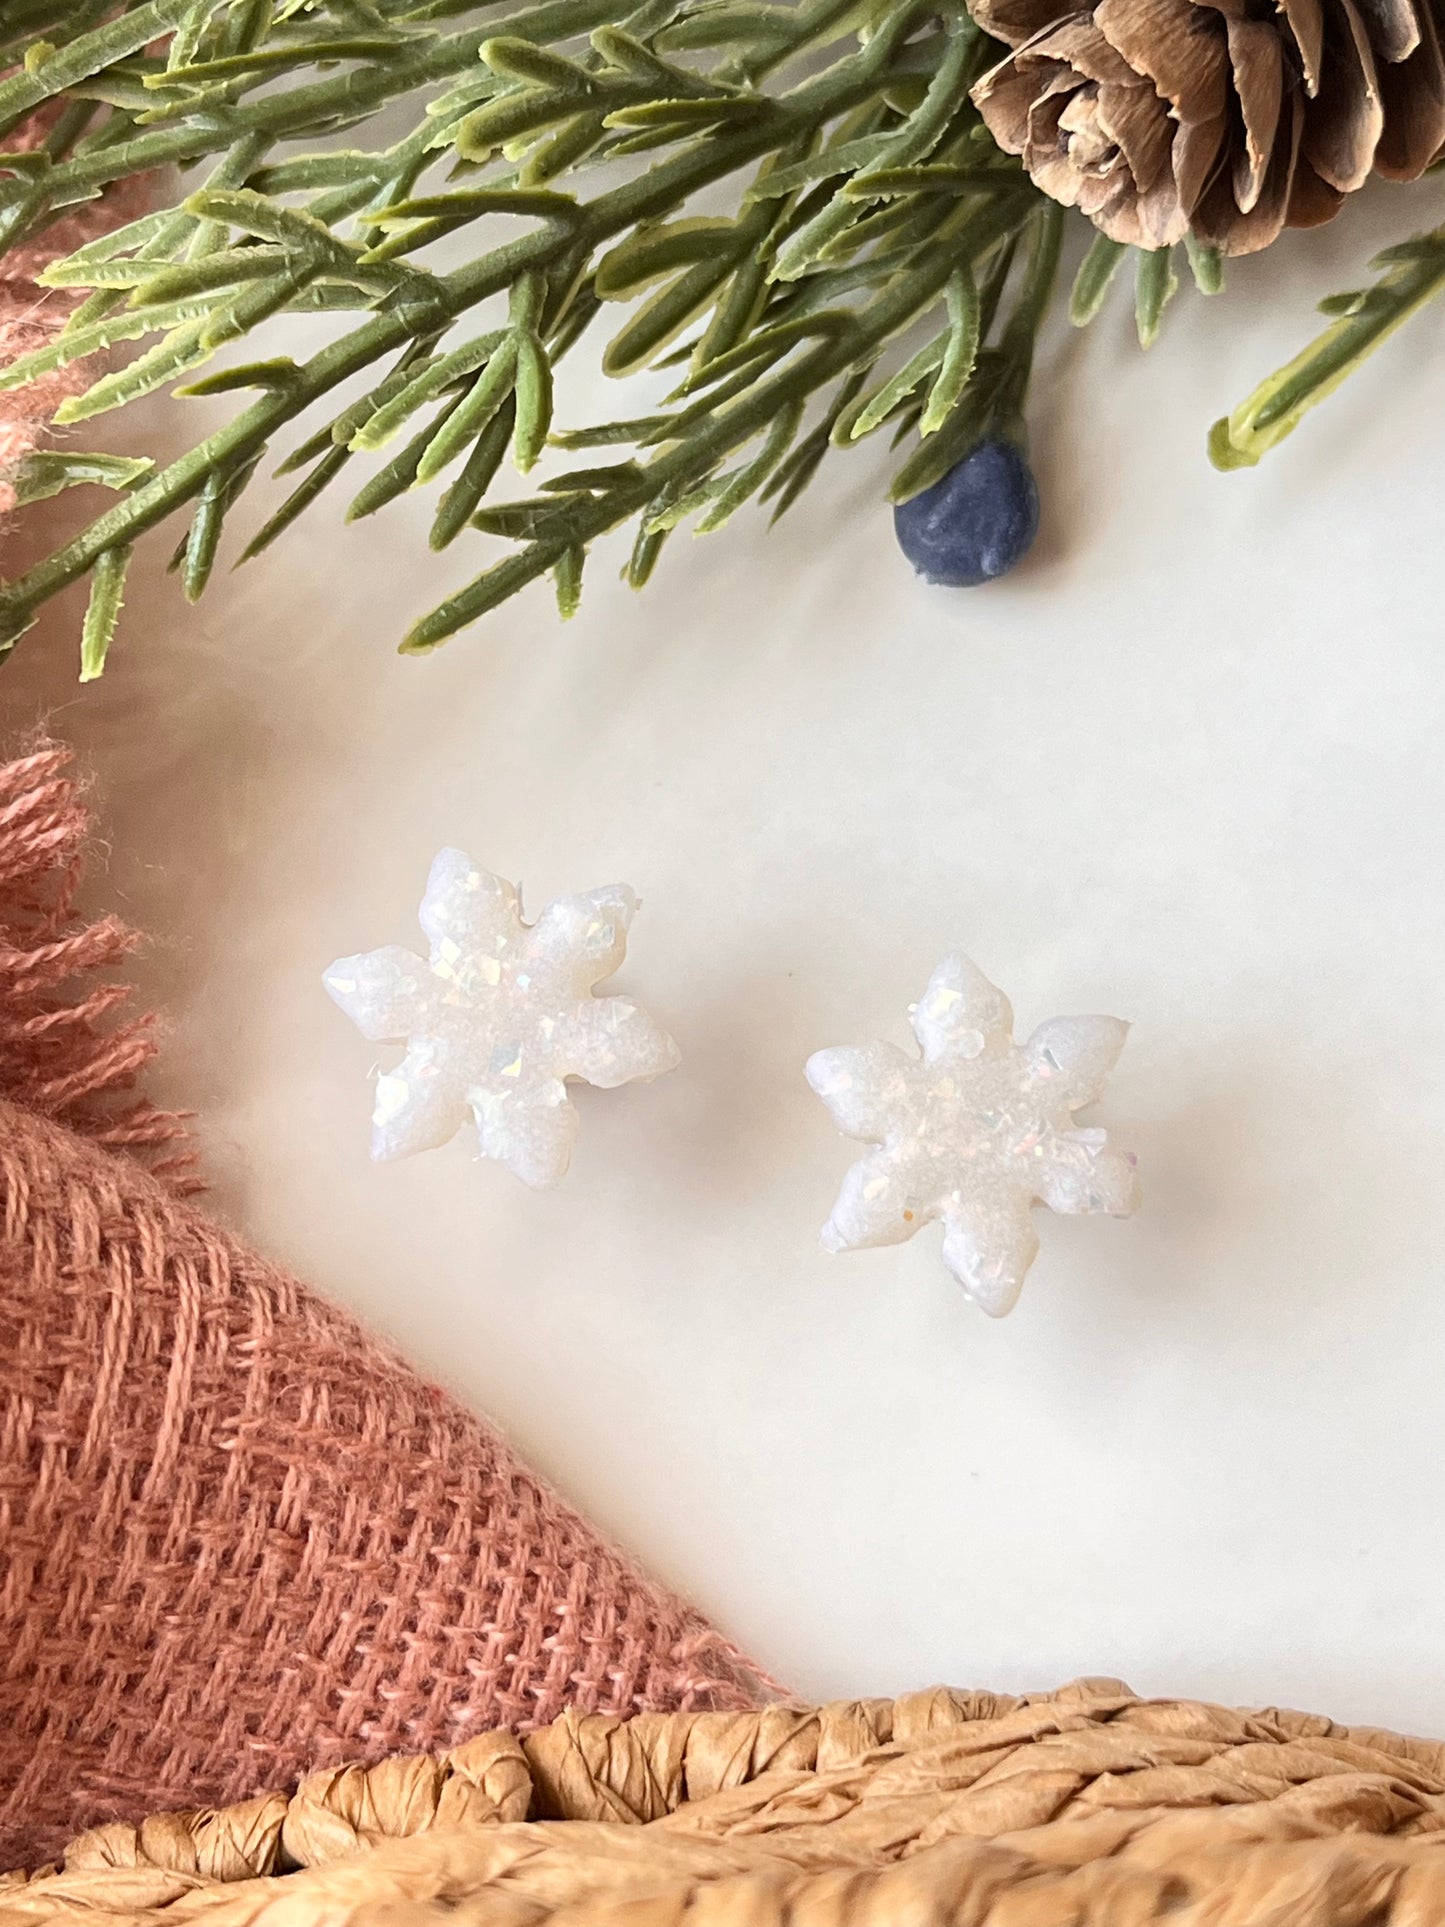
[975, 1132]
[498, 1019]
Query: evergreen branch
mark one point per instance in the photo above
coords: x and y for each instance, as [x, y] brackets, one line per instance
[684, 466]
[877, 262]
[235, 254]
[1413, 274]
[47, 70]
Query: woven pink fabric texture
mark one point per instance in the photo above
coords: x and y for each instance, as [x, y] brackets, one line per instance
[66, 1049]
[238, 1538]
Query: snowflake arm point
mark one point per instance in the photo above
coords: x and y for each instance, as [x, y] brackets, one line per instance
[1069, 1058]
[384, 992]
[960, 1013]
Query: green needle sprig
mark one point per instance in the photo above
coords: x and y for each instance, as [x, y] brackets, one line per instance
[1411, 275]
[870, 206]
[791, 205]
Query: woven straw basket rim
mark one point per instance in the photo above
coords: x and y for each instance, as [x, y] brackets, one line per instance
[941, 1809]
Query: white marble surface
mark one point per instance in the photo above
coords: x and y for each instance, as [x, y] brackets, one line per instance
[1186, 766]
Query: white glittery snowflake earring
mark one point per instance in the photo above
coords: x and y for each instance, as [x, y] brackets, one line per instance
[974, 1131]
[499, 1018]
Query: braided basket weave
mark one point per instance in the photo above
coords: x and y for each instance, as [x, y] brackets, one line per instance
[1085, 1808]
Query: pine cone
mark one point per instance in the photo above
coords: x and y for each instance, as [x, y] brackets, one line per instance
[1227, 118]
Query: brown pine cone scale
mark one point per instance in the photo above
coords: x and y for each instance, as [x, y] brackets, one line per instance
[1227, 119]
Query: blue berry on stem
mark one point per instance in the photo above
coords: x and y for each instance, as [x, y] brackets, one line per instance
[975, 523]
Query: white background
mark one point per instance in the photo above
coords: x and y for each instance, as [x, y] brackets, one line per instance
[1185, 767]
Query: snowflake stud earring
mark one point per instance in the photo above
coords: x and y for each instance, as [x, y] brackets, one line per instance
[498, 1019]
[975, 1132]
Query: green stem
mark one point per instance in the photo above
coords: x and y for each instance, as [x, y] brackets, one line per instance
[48, 71]
[1414, 277]
[1021, 334]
